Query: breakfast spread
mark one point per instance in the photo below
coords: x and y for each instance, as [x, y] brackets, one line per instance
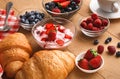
[62, 6]
[53, 36]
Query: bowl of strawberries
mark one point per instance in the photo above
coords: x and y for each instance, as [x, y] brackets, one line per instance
[61, 8]
[54, 33]
[94, 25]
[89, 61]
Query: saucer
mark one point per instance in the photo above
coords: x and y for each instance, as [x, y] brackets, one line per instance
[94, 7]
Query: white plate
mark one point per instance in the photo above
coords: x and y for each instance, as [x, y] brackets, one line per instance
[94, 7]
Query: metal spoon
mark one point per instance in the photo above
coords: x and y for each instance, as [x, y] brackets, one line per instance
[8, 7]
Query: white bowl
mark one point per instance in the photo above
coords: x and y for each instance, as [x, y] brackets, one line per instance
[80, 56]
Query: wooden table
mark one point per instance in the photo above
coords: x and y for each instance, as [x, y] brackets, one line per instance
[111, 68]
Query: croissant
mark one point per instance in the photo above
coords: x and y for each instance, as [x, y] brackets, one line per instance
[47, 64]
[14, 51]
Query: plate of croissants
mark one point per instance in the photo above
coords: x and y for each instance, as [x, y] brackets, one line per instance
[19, 62]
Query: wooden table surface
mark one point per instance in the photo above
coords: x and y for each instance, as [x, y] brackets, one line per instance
[111, 68]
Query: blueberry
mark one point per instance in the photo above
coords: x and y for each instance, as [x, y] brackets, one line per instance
[118, 54]
[47, 6]
[31, 18]
[109, 39]
[22, 20]
[42, 14]
[95, 42]
[36, 20]
[69, 9]
[118, 45]
[26, 21]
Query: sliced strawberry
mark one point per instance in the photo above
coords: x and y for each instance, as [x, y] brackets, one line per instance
[65, 4]
[61, 29]
[44, 39]
[60, 42]
[49, 25]
[90, 54]
[51, 36]
[67, 36]
[59, 1]
[2, 12]
[95, 62]
[57, 10]
[43, 32]
[83, 63]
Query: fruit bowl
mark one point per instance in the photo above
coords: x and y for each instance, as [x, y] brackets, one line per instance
[94, 25]
[81, 56]
[29, 17]
[64, 9]
[54, 33]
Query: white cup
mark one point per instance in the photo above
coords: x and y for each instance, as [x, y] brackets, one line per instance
[109, 5]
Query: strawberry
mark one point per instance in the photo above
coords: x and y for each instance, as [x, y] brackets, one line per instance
[57, 10]
[111, 50]
[94, 16]
[104, 22]
[49, 25]
[100, 49]
[1, 69]
[60, 42]
[61, 29]
[43, 32]
[95, 62]
[68, 36]
[97, 22]
[44, 39]
[51, 36]
[2, 12]
[90, 54]
[83, 63]
[59, 1]
[65, 4]
[84, 24]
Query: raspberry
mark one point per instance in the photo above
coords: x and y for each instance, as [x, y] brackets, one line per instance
[94, 16]
[84, 25]
[111, 50]
[89, 20]
[104, 22]
[100, 49]
[90, 26]
[97, 22]
[57, 10]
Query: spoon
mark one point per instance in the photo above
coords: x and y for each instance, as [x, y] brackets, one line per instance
[8, 7]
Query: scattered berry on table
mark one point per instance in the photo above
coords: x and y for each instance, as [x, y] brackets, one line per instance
[118, 45]
[95, 42]
[118, 54]
[83, 63]
[109, 39]
[111, 50]
[100, 49]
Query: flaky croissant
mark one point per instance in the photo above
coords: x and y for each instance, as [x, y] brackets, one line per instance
[47, 64]
[14, 50]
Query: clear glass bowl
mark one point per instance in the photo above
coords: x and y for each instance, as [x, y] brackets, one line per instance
[25, 25]
[80, 56]
[91, 33]
[57, 21]
[62, 15]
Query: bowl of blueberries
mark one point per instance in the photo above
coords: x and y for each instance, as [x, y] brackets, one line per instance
[29, 17]
[61, 8]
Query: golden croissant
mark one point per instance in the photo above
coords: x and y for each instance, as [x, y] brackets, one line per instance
[47, 64]
[14, 51]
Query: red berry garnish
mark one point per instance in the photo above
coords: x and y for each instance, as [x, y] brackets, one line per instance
[98, 22]
[100, 49]
[51, 36]
[90, 26]
[49, 25]
[60, 42]
[104, 22]
[65, 4]
[89, 20]
[67, 36]
[84, 24]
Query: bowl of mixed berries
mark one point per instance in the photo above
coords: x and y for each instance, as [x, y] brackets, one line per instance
[54, 33]
[29, 17]
[89, 61]
[62, 8]
[94, 25]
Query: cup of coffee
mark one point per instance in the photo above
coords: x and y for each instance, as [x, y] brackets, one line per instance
[109, 5]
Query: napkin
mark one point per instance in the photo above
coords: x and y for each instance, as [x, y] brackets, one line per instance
[13, 22]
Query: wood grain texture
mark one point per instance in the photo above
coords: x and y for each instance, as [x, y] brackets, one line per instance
[111, 69]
